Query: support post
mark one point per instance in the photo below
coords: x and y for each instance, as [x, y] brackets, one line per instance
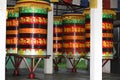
[2, 38]
[48, 64]
[96, 41]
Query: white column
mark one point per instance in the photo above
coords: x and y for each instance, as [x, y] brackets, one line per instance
[48, 64]
[96, 42]
[2, 38]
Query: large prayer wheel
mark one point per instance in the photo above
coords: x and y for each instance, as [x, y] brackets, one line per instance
[12, 24]
[74, 35]
[87, 32]
[33, 27]
[57, 36]
[107, 33]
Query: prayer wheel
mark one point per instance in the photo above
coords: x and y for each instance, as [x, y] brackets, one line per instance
[107, 33]
[87, 32]
[74, 35]
[32, 30]
[57, 36]
[12, 24]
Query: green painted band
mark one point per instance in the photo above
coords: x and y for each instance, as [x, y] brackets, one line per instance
[107, 16]
[57, 23]
[33, 10]
[87, 16]
[74, 21]
[13, 15]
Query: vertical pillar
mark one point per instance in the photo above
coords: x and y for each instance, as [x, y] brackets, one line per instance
[48, 64]
[96, 42]
[2, 38]
[118, 5]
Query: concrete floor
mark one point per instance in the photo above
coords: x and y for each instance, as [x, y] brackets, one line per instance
[62, 74]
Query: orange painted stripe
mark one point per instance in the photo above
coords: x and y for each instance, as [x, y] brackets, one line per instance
[107, 35]
[74, 37]
[87, 35]
[87, 26]
[11, 32]
[57, 38]
[33, 30]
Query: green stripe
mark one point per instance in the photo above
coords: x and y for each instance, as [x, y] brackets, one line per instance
[74, 21]
[87, 16]
[57, 23]
[33, 10]
[13, 15]
[107, 16]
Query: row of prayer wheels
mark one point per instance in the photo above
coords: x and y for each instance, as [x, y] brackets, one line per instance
[26, 32]
[72, 34]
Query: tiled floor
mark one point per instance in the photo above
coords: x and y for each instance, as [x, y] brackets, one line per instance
[60, 75]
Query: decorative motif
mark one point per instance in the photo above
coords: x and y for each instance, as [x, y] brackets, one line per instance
[33, 19]
[30, 41]
[28, 51]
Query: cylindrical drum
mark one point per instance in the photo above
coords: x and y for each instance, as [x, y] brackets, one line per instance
[12, 31]
[32, 39]
[87, 32]
[74, 35]
[57, 36]
[107, 33]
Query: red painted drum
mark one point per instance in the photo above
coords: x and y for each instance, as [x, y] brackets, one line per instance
[74, 35]
[32, 38]
[12, 24]
[57, 36]
[107, 33]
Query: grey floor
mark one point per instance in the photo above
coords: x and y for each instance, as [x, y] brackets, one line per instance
[62, 74]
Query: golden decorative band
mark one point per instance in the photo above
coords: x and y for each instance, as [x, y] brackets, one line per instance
[13, 22]
[107, 44]
[33, 19]
[74, 45]
[74, 29]
[107, 26]
[11, 40]
[34, 41]
[57, 45]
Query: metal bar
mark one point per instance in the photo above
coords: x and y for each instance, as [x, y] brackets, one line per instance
[104, 62]
[37, 64]
[7, 59]
[54, 61]
[12, 61]
[77, 62]
[70, 62]
[19, 60]
[27, 64]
